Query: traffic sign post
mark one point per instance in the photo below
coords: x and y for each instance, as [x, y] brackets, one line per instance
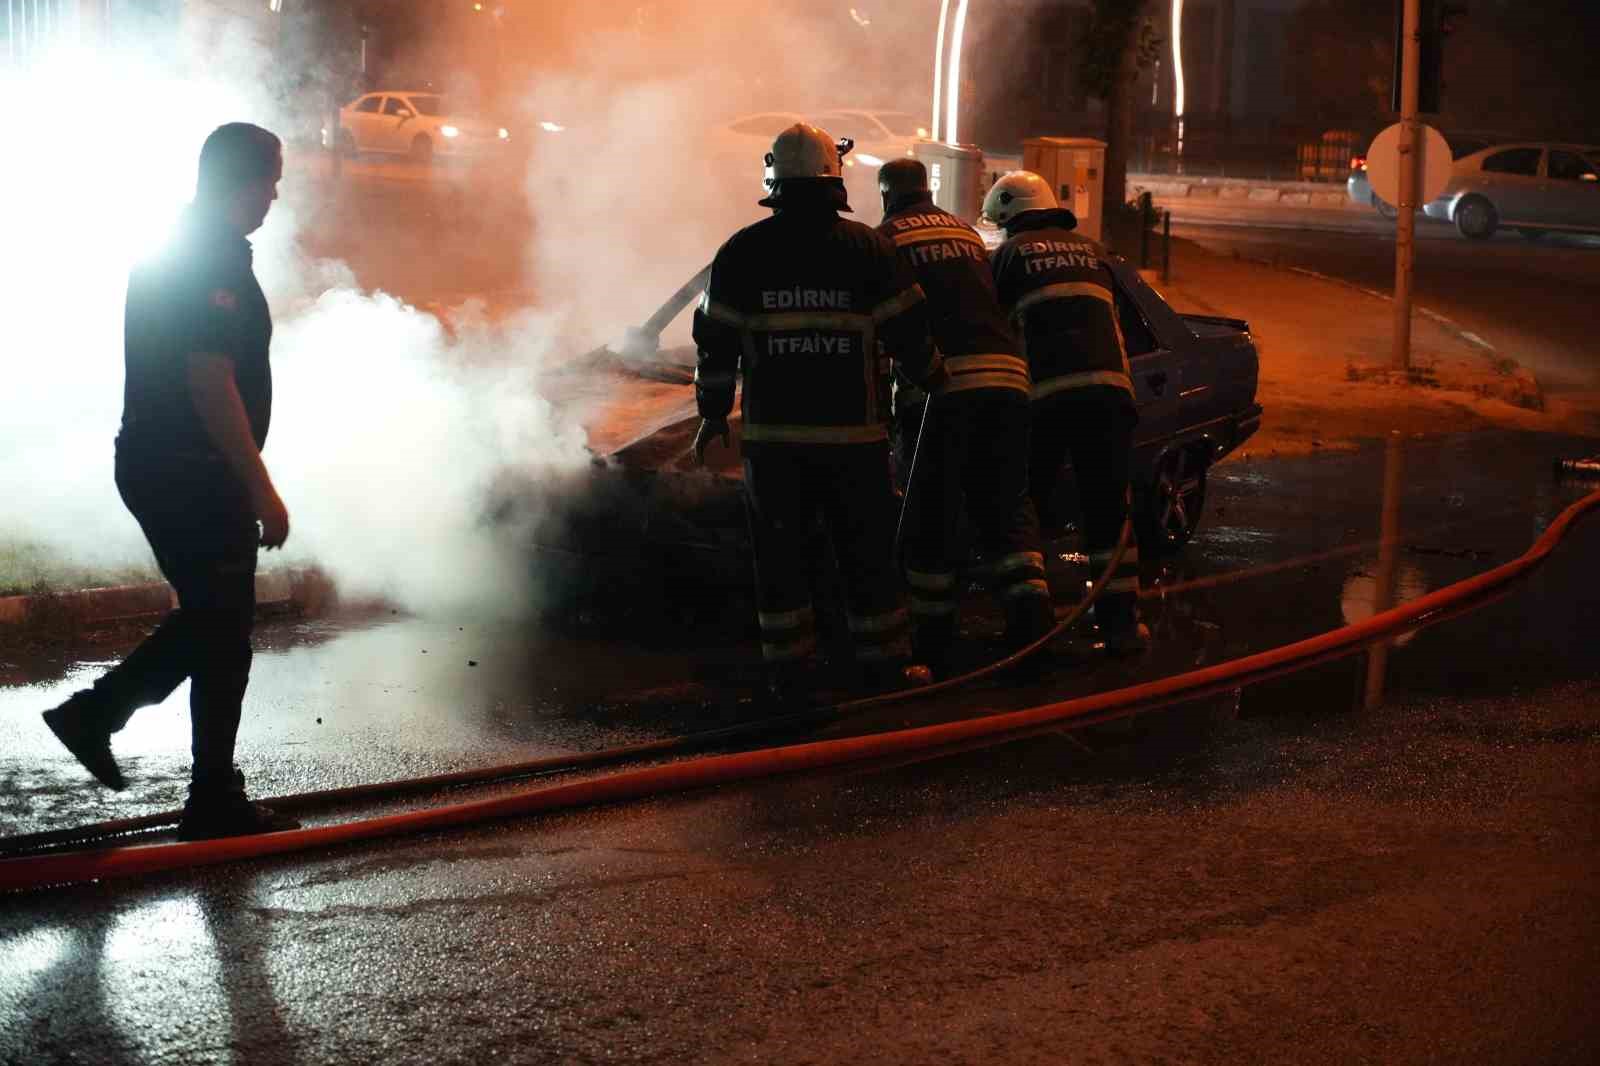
[1406, 201]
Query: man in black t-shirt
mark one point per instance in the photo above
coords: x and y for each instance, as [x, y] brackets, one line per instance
[197, 402]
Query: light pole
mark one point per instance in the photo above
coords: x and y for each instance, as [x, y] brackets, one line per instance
[947, 84]
[1179, 93]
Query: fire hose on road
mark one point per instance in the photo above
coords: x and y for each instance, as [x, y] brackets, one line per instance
[684, 745]
[1466, 595]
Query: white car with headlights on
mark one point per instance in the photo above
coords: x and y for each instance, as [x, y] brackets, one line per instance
[416, 124]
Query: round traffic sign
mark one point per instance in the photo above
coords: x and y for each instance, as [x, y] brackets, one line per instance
[1433, 164]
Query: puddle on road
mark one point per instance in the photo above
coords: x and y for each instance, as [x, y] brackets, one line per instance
[336, 700]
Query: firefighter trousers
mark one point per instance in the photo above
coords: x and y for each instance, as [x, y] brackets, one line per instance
[787, 488]
[975, 447]
[1092, 428]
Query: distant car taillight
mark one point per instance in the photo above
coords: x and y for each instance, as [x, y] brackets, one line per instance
[1358, 162]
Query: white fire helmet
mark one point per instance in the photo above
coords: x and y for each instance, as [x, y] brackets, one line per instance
[804, 151]
[1016, 192]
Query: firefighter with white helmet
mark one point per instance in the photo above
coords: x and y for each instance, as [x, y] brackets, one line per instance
[1062, 301]
[813, 310]
[972, 443]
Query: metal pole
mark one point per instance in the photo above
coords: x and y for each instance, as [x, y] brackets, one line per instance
[1388, 565]
[1406, 223]
[1166, 246]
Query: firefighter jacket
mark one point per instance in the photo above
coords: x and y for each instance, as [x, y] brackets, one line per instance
[816, 311]
[949, 261]
[1059, 291]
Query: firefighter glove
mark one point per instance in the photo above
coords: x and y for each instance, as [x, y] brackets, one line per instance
[710, 427]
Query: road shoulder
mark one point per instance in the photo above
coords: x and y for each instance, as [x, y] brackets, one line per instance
[1325, 345]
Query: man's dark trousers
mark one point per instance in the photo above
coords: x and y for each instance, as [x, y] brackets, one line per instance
[203, 531]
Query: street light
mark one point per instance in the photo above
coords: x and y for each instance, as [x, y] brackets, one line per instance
[1179, 101]
[947, 90]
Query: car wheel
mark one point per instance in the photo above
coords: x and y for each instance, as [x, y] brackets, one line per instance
[1167, 511]
[422, 148]
[347, 144]
[1385, 209]
[1476, 218]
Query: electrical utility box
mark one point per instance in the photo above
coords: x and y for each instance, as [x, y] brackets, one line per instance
[955, 176]
[1075, 167]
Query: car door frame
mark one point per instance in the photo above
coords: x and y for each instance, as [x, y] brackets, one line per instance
[397, 138]
[361, 121]
[1157, 375]
[1577, 202]
[1514, 196]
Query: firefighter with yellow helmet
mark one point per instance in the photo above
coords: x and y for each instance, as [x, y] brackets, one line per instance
[1061, 298]
[814, 311]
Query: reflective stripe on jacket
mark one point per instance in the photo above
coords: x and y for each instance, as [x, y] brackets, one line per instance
[1061, 297]
[814, 311]
[951, 264]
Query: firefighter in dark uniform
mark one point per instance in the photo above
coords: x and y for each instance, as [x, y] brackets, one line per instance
[814, 310]
[975, 440]
[1060, 295]
[197, 401]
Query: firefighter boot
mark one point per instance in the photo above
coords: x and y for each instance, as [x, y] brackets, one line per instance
[1117, 615]
[931, 642]
[1028, 617]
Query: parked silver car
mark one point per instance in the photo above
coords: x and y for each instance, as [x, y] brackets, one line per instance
[1533, 188]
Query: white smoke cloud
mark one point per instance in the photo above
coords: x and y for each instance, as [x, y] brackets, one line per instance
[389, 432]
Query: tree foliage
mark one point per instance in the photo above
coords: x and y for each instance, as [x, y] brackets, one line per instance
[1105, 36]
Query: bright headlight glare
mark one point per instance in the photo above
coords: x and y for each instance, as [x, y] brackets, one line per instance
[505, 134]
[449, 131]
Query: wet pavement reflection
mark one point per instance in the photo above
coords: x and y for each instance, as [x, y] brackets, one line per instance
[1275, 846]
[1289, 548]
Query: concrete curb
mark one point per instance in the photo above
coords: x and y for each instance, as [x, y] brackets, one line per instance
[1256, 193]
[308, 591]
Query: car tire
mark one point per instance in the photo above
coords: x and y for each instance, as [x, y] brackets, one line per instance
[422, 148]
[347, 144]
[1168, 508]
[1385, 209]
[1476, 218]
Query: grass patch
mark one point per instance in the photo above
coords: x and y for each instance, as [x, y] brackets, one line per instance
[30, 569]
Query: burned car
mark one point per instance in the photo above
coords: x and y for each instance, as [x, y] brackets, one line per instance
[1194, 377]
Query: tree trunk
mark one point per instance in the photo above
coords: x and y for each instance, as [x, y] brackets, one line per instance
[1121, 102]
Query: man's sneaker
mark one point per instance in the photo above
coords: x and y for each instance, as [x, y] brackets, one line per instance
[90, 744]
[1128, 641]
[211, 813]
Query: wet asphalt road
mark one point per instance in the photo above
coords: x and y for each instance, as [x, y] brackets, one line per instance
[1531, 300]
[1271, 876]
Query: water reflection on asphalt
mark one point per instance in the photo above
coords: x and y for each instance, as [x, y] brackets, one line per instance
[1289, 548]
